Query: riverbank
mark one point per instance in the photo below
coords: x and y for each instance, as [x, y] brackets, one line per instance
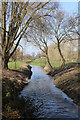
[68, 81]
[13, 81]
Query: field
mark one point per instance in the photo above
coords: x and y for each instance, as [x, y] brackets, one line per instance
[16, 64]
[39, 62]
[42, 62]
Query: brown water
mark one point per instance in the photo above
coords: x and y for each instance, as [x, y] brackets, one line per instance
[50, 101]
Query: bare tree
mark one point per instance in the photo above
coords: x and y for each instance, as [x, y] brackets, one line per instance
[16, 18]
[39, 34]
[39, 37]
[61, 26]
[42, 43]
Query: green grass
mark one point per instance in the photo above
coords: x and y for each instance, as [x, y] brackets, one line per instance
[56, 63]
[42, 62]
[12, 65]
[39, 62]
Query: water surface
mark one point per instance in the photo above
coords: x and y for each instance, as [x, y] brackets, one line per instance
[50, 101]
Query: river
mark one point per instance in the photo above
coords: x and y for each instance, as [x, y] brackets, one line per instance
[51, 102]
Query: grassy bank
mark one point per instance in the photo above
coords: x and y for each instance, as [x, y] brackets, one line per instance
[68, 81]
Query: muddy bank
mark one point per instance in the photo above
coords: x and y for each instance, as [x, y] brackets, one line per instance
[13, 82]
[68, 80]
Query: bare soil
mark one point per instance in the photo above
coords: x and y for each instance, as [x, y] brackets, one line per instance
[20, 75]
[13, 81]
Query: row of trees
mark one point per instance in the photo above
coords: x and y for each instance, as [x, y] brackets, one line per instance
[38, 22]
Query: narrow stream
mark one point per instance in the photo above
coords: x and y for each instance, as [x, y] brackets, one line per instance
[50, 101]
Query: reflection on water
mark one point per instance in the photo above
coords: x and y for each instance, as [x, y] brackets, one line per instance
[51, 102]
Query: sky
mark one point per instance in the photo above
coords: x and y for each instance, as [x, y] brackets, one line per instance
[70, 8]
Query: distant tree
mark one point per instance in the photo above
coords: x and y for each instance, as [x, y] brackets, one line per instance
[33, 55]
[27, 57]
[53, 52]
[38, 55]
[17, 55]
[76, 32]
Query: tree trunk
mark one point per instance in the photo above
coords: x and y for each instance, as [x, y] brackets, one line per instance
[62, 66]
[50, 66]
[47, 57]
[5, 63]
[5, 60]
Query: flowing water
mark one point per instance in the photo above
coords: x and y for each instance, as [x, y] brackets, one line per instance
[51, 102]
